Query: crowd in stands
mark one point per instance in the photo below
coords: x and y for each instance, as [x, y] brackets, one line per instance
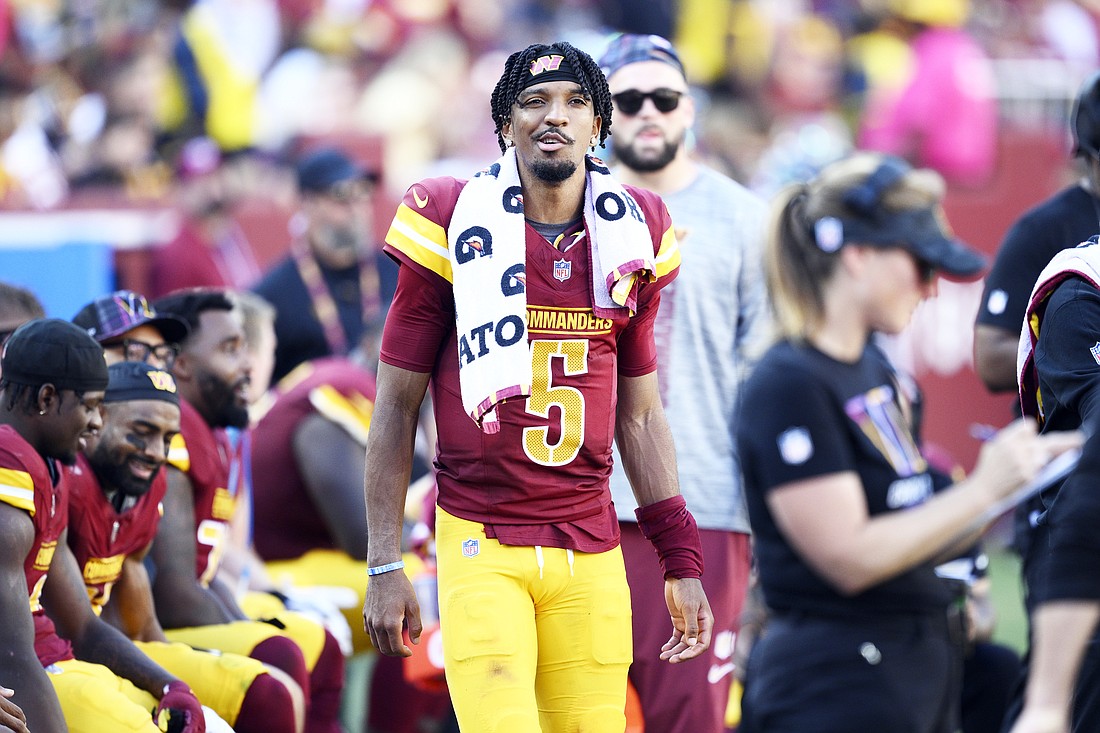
[101, 99]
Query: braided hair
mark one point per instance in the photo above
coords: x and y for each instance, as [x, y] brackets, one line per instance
[514, 80]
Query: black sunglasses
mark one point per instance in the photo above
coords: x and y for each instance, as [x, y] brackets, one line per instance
[631, 101]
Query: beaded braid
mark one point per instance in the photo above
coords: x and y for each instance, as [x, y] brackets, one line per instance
[514, 79]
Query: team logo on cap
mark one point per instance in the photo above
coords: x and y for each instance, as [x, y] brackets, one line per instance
[162, 381]
[470, 547]
[795, 445]
[545, 63]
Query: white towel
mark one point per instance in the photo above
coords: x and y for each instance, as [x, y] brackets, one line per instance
[487, 249]
[1081, 261]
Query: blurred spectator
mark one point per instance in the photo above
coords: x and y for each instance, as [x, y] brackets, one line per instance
[944, 113]
[803, 103]
[223, 50]
[334, 287]
[123, 159]
[210, 248]
[17, 306]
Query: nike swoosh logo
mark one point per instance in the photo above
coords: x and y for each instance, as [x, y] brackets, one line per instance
[420, 202]
[718, 671]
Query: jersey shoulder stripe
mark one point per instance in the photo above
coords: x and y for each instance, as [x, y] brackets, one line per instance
[421, 240]
[668, 256]
[178, 455]
[17, 489]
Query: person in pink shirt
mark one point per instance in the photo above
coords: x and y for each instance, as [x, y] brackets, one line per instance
[943, 114]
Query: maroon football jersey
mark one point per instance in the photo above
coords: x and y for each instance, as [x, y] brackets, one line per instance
[567, 424]
[204, 454]
[100, 537]
[26, 483]
[286, 523]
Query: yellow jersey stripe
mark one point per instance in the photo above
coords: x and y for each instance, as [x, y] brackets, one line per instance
[423, 241]
[178, 456]
[17, 489]
[353, 418]
[668, 255]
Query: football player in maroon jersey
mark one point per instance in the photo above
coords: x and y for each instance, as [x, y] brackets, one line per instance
[50, 395]
[534, 606]
[116, 489]
[195, 607]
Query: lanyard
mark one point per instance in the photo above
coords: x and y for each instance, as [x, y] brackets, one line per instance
[324, 306]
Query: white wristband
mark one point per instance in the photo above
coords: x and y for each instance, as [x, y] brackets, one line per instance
[387, 568]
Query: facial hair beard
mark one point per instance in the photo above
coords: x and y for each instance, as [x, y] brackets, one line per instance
[115, 476]
[553, 171]
[629, 157]
[222, 400]
[338, 247]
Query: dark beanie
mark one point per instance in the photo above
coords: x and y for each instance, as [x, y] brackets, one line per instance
[136, 380]
[53, 351]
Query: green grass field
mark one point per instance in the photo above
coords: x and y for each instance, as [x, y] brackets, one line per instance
[1004, 573]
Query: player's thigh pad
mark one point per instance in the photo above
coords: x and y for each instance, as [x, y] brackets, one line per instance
[94, 699]
[220, 680]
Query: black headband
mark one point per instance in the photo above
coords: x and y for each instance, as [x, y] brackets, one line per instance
[550, 67]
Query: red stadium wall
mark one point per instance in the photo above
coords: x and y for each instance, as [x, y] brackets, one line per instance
[1032, 164]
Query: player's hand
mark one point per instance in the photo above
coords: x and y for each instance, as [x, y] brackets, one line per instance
[179, 710]
[1038, 720]
[391, 602]
[692, 620]
[11, 716]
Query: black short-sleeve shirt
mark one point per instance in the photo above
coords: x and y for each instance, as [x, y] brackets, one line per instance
[1067, 358]
[1068, 218]
[806, 415]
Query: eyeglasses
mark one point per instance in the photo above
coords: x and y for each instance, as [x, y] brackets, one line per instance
[134, 350]
[630, 102]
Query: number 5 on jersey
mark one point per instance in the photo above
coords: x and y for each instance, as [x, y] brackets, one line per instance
[569, 400]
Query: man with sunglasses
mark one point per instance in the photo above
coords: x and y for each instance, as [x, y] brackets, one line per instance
[333, 287]
[130, 329]
[715, 314]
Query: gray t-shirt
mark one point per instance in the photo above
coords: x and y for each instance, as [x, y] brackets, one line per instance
[713, 321]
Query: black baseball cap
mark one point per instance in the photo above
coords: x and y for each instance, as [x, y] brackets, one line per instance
[322, 169]
[112, 315]
[630, 48]
[923, 232]
[54, 351]
[136, 380]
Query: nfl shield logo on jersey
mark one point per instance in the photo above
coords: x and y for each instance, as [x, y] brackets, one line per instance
[470, 548]
[562, 270]
[1095, 351]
